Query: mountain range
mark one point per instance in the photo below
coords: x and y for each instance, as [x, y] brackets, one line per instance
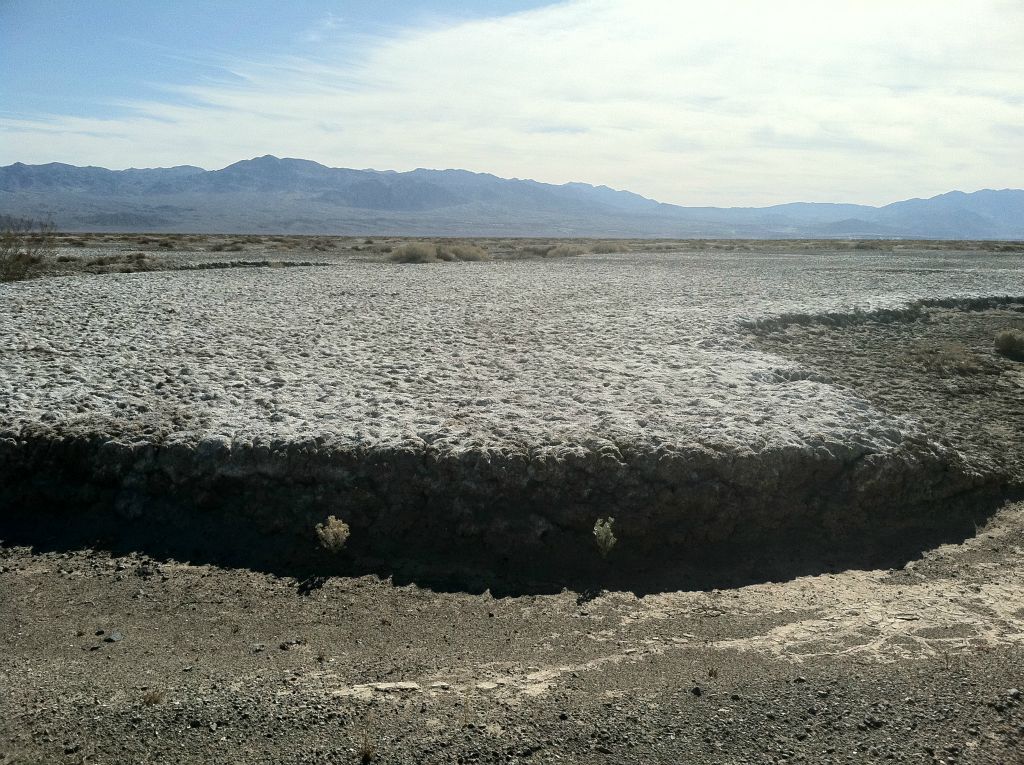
[272, 195]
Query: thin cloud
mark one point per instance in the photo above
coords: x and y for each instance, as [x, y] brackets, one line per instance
[741, 103]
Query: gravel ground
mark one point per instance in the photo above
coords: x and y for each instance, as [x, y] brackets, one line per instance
[135, 660]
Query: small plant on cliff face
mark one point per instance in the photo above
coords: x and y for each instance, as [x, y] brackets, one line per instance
[1010, 343]
[604, 537]
[333, 534]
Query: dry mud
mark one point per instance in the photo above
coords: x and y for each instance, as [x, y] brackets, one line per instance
[474, 420]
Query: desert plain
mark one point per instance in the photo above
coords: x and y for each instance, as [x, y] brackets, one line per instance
[810, 454]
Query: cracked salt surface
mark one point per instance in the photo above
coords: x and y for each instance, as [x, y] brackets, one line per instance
[544, 356]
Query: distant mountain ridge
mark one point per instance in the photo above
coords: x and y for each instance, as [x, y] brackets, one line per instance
[268, 194]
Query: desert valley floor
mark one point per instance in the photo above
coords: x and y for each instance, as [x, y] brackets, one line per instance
[812, 453]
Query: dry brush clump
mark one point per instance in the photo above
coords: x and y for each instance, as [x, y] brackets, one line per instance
[567, 251]
[606, 248]
[604, 536]
[553, 250]
[122, 263]
[430, 252]
[23, 245]
[235, 246]
[953, 359]
[333, 534]
[1010, 343]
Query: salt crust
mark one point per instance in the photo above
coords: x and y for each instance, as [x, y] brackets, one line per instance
[543, 358]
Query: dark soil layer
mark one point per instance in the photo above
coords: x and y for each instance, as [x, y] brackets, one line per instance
[477, 521]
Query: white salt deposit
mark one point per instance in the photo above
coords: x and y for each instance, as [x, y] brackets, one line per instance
[545, 356]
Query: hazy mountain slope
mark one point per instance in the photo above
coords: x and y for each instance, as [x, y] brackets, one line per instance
[268, 194]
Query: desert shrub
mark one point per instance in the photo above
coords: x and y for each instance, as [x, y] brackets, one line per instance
[414, 252]
[227, 247]
[1010, 343]
[367, 749]
[333, 534]
[471, 252]
[320, 245]
[604, 536]
[603, 248]
[429, 252]
[566, 251]
[462, 252]
[23, 244]
[122, 263]
[952, 359]
[153, 697]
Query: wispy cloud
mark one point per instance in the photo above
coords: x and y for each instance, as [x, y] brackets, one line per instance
[742, 102]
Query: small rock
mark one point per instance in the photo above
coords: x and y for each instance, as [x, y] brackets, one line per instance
[1014, 693]
[257, 647]
[113, 637]
[696, 691]
[800, 679]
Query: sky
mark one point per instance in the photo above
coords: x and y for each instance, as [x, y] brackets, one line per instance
[727, 103]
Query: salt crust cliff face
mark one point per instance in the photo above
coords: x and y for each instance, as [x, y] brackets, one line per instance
[484, 409]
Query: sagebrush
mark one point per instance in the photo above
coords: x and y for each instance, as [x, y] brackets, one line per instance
[604, 536]
[432, 252]
[23, 245]
[1010, 343]
[333, 534]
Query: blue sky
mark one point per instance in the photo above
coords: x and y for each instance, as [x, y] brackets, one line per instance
[738, 102]
[84, 57]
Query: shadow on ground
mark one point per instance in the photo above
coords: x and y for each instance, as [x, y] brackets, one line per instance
[577, 567]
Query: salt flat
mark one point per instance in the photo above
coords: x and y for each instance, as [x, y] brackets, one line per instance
[541, 355]
[465, 405]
